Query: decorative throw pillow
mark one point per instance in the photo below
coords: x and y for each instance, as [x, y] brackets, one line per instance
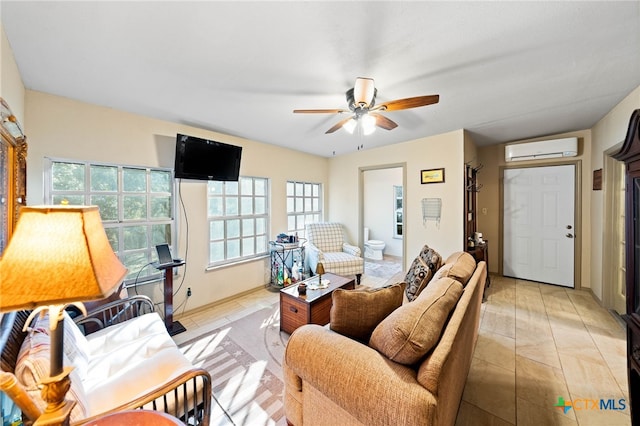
[421, 271]
[412, 330]
[459, 266]
[355, 313]
[33, 365]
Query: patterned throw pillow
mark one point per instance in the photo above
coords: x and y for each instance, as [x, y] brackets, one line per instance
[421, 271]
[355, 313]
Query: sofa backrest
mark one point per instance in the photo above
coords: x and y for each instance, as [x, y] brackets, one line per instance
[444, 372]
[328, 237]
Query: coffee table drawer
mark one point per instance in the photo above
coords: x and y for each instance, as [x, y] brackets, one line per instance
[293, 313]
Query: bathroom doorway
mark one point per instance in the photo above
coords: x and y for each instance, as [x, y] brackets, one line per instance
[382, 220]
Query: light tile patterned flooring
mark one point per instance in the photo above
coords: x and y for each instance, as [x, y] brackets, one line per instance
[536, 343]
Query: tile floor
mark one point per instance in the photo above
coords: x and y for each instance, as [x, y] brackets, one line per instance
[536, 343]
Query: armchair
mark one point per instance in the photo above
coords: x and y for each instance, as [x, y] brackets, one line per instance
[326, 244]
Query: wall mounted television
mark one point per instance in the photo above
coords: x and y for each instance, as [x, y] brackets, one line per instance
[203, 159]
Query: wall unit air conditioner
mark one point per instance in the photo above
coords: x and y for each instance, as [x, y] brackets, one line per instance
[567, 147]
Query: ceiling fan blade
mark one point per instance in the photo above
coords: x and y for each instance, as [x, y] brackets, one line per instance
[384, 122]
[407, 103]
[319, 111]
[338, 125]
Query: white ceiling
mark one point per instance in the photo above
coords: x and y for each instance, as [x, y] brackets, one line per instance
[504, 70]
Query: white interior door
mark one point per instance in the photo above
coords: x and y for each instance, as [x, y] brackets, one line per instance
[539, 214]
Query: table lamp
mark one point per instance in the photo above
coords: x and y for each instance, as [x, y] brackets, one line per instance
[58, 255]
[320, 271]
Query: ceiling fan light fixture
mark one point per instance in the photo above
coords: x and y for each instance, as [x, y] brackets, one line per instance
[350, 125]
[368, 124]
[363, 91]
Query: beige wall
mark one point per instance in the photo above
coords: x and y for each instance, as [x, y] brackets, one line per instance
[446, 150]
[67, 129]
[609, 131]
[489, 197]
[11, 86]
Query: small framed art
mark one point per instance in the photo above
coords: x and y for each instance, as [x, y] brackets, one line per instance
[432, 176]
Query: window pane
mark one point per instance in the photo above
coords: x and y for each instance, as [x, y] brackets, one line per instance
[233, 228]
[160, 181]
[307, 190]
[261, 225]
[216, 251]
[135, 237]
[316, 205]
[231, 208]
[134, 206]
[290, 204]
[108, 205]
[300, 221]
[231, 188]
[261, 205]
[104, 178]
[74, 200]
[216, 230]
[291, 223]
[134, 180]
[161, 207]
[247, 205]
[247, 186]
[247, 227]
[161, 234]
[67, 176]
[135, 262]
[299, 189]
[299, 204]
[316, 190]
[215, 206]
[248, 245]
[215, 187]
[261, 244]
[290, 192]
[260, 187]
[233, 249]
[307, 204]
[113, 237]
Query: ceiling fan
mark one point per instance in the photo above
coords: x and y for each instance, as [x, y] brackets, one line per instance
[361, 100]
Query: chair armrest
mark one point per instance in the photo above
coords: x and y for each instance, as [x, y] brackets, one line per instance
[354, 250]
[114, 312]
[173, 398]
[313, 256]
[336, 366]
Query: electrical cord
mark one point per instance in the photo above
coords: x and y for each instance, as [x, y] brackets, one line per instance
[186, 246]
[135, 282]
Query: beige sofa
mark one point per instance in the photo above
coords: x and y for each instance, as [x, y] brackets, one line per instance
[334, 379]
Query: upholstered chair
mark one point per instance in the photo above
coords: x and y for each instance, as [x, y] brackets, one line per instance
[326, 243]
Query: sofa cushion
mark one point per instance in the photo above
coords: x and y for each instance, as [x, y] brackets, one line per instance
[33, 365]
[421, 271]
[412, 330]
[459, 266]
[355, 313]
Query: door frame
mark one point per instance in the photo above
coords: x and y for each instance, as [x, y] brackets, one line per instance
[361, 171]
[577, 253]
[609, 222]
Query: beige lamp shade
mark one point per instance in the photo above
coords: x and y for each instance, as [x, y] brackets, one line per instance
[319, 269]
[57, 254]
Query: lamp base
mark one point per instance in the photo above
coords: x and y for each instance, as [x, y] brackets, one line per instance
[58, 409]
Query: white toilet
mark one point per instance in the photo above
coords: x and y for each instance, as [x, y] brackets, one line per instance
[372, 248]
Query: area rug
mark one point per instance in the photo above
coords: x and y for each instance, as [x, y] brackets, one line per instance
[244, 359]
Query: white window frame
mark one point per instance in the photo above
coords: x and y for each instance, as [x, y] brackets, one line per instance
[142, 272]
[300, 205]
[260, 239]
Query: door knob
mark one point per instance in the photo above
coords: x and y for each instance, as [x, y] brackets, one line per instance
[569, 235]
[568, 226]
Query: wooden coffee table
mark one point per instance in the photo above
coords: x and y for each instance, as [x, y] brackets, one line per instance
[314, 307]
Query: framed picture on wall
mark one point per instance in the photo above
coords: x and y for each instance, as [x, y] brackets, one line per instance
[432, 176]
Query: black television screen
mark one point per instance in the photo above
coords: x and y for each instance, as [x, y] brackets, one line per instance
[203, 159]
